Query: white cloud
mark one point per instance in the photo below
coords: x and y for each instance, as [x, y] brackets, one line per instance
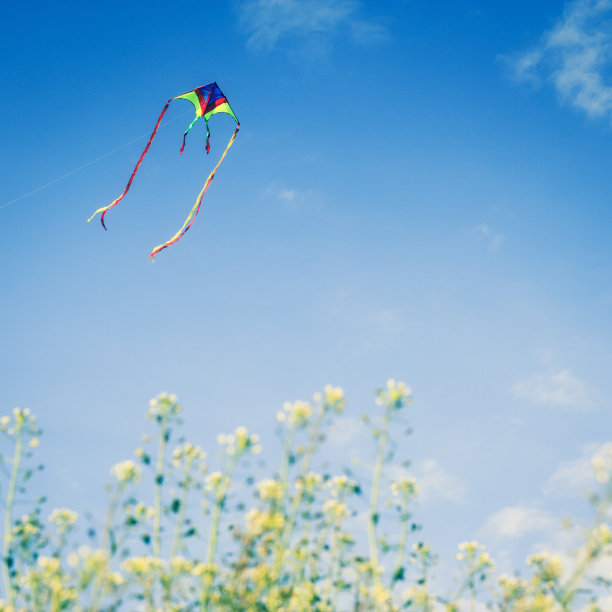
[486, 233]
[561, 389]
[364, 325]
[434, 481]
[348, 431]
[292, 199]
[388, 320]
[574, 477]
[519, 520]
[316, 22]
[575, 56]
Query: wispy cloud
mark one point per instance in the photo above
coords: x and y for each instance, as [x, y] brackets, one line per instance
[292, 199]
[348, 431]
[435, 482]
[561, 389]
[488, 235]
[365, 324]
[517, 521]
[312, 22]
[575, 477]
[575, 57]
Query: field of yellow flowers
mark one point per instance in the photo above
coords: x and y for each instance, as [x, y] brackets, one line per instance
[170, 541]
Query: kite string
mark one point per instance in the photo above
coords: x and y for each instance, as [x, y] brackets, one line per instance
[196, 207]
[85, 165]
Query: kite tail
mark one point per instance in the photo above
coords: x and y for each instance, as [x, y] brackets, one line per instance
[105, 209]
[208, 135]
[186, 132]
[196, 207]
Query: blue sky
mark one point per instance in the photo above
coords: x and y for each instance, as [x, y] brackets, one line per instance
[418, 190]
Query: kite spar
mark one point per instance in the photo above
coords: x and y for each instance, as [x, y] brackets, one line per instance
[207, 101]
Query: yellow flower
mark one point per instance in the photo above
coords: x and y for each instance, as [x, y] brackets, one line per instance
[163, 406]
[140, 511]
[422, 550]
[126, 471]
[334, 398]
[50, 565]
[512, 586]
[142, 565]
[258, 521]
[474, 553]
[180, 565]
[417, 595]
[396, 395]
[407, 485]
[204, 569]
[187, 452]
[63, 518]
[380, 594]
[537, 559]
[239, 442]
[537, 603]
[296, 413]
[213, 481]
[601, 535]
[335, 509]
[270, 489]
[115, 579]
[469, 547]
[551, 568]
[309, 483]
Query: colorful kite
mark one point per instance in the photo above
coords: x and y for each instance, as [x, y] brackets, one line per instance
[207, 100]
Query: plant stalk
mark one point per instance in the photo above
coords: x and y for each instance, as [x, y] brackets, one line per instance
[8, 517]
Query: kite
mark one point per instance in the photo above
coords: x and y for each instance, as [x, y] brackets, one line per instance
[207, 100]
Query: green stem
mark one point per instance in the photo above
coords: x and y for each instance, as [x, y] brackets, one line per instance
[148, 595]
[306, 545]
[8, 516]
[318, 551]
[468, 582]
[314, 437]
[569, 589]
[97, 590]
[424, 578]
[373, 519]
[159, 479]
[403, 535]
[214, 531]
[284, 469]
[181, 515]
[334, 555]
